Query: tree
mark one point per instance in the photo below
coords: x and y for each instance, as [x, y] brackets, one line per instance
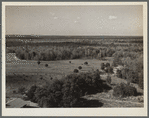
[107, 64]
[102, 66]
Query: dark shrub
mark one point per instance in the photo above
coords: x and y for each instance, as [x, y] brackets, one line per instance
[21, 90]
[132, 76]
[102, 66]
[110, 52]
[117, 61]
[108, 79]
[124, 90]
[31, 93]
[124, 73]
[86, 63]
[38, 62]
[119, 74]
[33, 54]
[51, 95]
[14, 91]
[110, 70]
[117, 91]
[76, 71]
[107, 65]
[46, 65]
[80, 67]
[71, 93]
[106, 69]
[141, 80]
[69, 61]
[128, 82]
[76, 85]
[39, 93]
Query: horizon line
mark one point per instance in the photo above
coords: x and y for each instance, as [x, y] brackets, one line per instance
[70, 35]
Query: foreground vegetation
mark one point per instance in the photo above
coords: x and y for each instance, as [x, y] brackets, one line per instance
[70, 90]
[67, 91]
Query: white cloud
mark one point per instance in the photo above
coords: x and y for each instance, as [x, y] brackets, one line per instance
[112, 17]
[55, 17]
[52, 13]
[78, 17]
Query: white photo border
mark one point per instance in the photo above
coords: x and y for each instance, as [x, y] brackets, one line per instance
[76, 111]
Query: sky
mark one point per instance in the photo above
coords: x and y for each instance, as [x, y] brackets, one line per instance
[122, 20]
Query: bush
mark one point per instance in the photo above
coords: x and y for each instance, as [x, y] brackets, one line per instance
[38, 62]
[31, 93]
[80, 67]
[51, 95]
[119, 74]
[76, 71]
[141, 80]
[124, 73]
[46, 65]
[107, 65]
[71, 93]
[14, 91]
[86, 63]
[117, 61]
[102, 66]
[110, 70]
[110, 52]
[21, 90]
[76, 85]
[132, 76]
[108, 79]
[106, 69]
[124, 90]
[69, 61]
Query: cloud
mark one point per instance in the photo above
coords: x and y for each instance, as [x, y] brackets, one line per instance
[78, 17]
[55, 17]
[112, 17]
[75, 21]
[52, 13]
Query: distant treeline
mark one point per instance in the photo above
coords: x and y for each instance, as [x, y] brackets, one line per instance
[73, 44]
[70, 37]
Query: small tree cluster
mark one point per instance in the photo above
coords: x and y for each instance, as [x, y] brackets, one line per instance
[124, 90]
[67, 91]
[21, 90]
[80, 67]
[76, 71]
[46, 65]
[106, 67]
[108, 80]
[31, 93]
[102, 66]
[86, 63]
[119, 73]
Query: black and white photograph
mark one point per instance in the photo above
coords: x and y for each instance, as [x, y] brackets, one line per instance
[74, 56]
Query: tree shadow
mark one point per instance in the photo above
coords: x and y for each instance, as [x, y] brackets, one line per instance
[101, 88]
[113, 84]
[88, 103]
[139, 94]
